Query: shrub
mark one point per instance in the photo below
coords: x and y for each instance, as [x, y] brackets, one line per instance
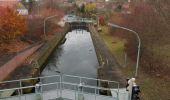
[11, 24]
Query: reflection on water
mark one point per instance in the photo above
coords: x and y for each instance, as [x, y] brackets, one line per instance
[75, 57]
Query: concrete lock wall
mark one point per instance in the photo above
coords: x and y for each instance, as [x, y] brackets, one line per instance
[37, 55]
[41, 56]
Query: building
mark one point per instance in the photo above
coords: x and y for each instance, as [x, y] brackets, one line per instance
[126, 8]
[8, 3]
[16, 5]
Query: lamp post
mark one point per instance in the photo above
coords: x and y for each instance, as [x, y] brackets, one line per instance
[38, 4]
[45, 35]
[139, 43]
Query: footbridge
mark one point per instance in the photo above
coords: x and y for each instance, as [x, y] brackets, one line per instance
[79, 20]
[79, 23]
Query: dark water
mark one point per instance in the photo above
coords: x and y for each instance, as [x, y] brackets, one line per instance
[75, 57]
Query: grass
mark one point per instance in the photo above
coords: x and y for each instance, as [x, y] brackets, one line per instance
[152, 88]
[115, 44]
[163, 51]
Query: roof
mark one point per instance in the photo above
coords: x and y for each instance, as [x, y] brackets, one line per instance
[126, 5]
[12, 4]
[8, 3]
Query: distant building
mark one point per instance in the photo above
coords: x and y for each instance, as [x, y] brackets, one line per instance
[79, 3]
[126, 8]
[8, 3]
[15, 4]
[21, 9]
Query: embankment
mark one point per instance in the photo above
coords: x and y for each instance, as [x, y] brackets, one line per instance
[40, 57]
[109, 67]
[15, 62]
[33, 63]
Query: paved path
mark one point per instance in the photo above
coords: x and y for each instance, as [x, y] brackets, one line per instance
[14, 63]
[109, 68]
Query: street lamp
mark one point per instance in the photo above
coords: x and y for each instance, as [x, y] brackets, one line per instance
[38, 4]
[139, 43]
[45, 35]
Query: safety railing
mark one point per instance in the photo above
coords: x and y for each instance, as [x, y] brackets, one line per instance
[70, 20]
[59, 83]
[90, 81]
[22, 86]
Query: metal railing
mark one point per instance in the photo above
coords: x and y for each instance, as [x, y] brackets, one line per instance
[59, 83]
[70, 20]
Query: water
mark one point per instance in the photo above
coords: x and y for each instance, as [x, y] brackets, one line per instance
[75, 57]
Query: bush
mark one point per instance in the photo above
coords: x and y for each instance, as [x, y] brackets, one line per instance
[11, 24]
[102, 20]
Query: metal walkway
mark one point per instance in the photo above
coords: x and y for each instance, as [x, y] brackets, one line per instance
[67, 87]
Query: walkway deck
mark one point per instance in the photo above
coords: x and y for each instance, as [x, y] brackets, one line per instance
[69, 90]
[53, 95]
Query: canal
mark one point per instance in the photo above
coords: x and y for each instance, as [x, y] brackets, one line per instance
[76, 56]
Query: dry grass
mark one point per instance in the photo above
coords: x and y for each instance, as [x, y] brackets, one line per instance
[115, 44]
[153, 88]
[13, 46]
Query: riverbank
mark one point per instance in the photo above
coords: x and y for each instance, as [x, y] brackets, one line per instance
[152, 88]
[34, 63]
[109, 67]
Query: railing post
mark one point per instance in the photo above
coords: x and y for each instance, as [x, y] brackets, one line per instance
[80, 80]
[99, 85]
[95, 93]
[41, 90]
[118, 92]
[20, 83]
[57, 90]
[61, 78]
[75, 92]
[38, 90]
[19, 94]
[108, 87]
[80, 90]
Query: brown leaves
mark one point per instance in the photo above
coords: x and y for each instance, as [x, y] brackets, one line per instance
[11, 24]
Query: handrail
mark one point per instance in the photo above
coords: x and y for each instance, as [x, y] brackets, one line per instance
[62, 83]
[91, 78]
[41, 77]
[33, 86]
[88, 86]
